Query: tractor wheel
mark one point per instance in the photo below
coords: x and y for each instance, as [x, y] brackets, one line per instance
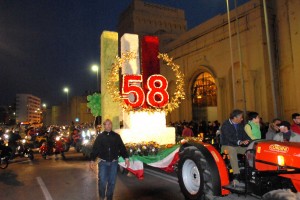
[194, 174]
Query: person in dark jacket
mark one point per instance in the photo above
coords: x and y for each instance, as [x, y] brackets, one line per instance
[107, 147]
[13, 139]
[233, 138]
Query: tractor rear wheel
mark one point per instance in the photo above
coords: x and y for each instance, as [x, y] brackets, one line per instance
[194, 175]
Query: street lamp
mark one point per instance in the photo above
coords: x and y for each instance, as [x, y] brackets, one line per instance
[66, 90]
[95, 68]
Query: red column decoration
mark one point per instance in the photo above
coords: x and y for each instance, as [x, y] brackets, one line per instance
[149, 59]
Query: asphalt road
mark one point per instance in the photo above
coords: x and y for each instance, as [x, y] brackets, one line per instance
[71, 179]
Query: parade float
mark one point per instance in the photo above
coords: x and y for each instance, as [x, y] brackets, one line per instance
[135, 93]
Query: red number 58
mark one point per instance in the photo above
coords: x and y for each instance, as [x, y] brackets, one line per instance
[157, 96]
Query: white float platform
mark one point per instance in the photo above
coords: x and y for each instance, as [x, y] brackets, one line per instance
[145, 127]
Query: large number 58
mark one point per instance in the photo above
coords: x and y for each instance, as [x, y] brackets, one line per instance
[157, 96]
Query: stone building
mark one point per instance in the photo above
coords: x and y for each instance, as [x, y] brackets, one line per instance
[76, 111]
[265, 53]
[144, 18]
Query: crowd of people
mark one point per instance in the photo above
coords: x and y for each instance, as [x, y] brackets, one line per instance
[255, 128]
[193, 129]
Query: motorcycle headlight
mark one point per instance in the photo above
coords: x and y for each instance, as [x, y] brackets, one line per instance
[23, 141]
[83, 134]
[57, 138]
[85, 141]
[6, 136]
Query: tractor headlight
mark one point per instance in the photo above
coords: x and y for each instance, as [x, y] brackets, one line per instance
[280, 160]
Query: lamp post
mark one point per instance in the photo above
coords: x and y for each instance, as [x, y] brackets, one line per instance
[66, 90]
[95, 68]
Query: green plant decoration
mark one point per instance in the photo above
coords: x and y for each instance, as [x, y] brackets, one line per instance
[94, 103]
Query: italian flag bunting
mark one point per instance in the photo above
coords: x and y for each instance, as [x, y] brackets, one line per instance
[164, 160]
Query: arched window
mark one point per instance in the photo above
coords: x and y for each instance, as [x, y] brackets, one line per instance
[204, 90]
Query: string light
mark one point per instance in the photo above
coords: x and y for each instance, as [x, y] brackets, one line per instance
[113, 84]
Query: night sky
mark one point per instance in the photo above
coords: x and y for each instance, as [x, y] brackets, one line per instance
[46, 45]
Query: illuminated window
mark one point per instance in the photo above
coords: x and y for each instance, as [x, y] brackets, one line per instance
[204, 90]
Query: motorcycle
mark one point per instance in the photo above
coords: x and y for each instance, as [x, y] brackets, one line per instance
[58, 148]
[5, 154]
[66, 143]
[77, 142]
[23, 150]
[44, 150]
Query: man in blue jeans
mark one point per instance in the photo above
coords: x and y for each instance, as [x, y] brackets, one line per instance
[107, 147]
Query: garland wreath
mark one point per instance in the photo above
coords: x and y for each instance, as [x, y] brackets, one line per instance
[113, 84]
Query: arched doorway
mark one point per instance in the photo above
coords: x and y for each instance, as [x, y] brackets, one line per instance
[204, 98]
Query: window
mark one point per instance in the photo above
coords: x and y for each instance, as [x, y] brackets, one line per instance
[204, 90]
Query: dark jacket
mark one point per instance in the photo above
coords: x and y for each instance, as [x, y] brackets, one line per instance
[13, 138]
[108, 146]
[230, 136]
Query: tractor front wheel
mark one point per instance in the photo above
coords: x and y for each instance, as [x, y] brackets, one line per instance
[194, 174]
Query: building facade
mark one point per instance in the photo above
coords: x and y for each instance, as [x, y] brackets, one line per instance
[76, 111]
[28, 108]
[144, 18]
[253, 66]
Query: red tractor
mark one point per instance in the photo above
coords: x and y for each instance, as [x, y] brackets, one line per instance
[267, 165]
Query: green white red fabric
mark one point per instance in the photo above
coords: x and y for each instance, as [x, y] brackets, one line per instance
[164, 160]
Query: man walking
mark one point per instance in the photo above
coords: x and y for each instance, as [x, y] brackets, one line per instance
[107, 147]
